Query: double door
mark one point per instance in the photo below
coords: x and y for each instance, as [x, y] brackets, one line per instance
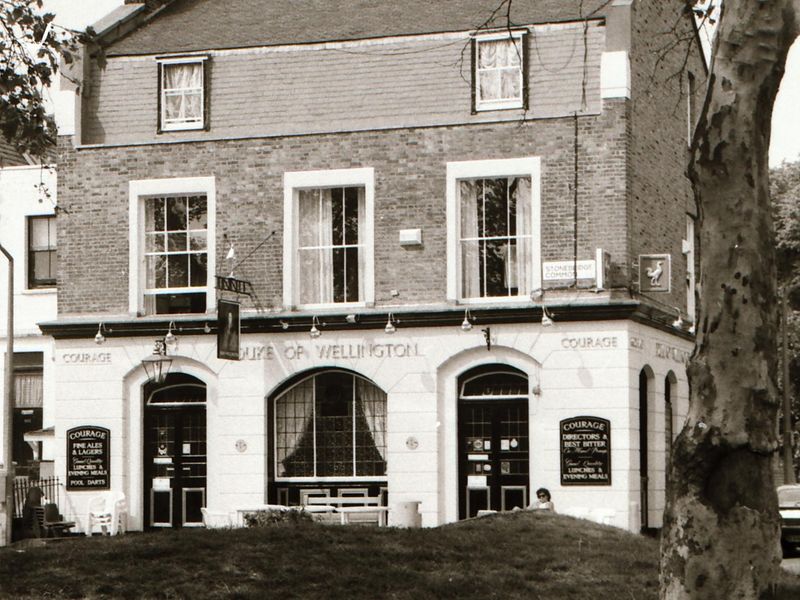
[494, 459]
[174, 466]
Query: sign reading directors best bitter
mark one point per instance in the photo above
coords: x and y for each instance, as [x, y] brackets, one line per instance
[585, 451]
[88, 452]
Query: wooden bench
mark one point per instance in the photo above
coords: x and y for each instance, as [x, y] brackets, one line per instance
[346, 506]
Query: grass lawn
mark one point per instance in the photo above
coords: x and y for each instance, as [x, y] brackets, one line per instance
[518, 555]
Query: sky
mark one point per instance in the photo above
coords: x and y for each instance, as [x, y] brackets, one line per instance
[785, 141]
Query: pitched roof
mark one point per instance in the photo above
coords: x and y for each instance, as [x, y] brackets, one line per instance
[188, 25]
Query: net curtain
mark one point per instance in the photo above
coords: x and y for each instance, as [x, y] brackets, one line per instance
[183, 85]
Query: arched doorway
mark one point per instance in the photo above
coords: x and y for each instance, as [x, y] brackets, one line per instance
[174, 452]
[328, 438]
[493, 440]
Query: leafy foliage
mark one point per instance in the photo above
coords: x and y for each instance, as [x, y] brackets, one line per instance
[785, 196]
[31, 46]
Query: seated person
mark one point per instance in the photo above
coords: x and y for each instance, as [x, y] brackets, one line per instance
[543, 501]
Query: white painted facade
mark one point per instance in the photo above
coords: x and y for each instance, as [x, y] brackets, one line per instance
[573, 369]
[25, 192]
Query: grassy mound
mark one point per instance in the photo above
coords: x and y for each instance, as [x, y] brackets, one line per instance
[519, 555]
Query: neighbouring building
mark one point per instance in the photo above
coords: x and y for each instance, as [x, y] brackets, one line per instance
[467, 250]
[28, 233]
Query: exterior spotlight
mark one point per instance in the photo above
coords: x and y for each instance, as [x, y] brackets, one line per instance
[466, 325]
[547, 318]
[206, 328]
[351, 319]
[537, 294]
[678, 323]
[314, 331]
[99, 338]
[171, 340]
[284, 324]
[390, 328]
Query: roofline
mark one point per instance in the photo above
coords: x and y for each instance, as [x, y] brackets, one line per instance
[383, 38]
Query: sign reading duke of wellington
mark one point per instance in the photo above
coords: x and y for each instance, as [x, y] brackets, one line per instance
[585, 451]
[88, 452]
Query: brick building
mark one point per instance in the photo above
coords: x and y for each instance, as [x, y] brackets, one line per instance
[442, 220]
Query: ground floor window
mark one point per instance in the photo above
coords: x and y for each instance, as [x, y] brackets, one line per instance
[28, 402]
[332, 425]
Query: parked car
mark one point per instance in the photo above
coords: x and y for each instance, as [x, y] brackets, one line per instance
[789, 507]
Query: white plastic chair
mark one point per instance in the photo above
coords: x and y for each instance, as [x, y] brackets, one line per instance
[216, 519]
[109, 511]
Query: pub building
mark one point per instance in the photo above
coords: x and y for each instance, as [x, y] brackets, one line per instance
[316, 257]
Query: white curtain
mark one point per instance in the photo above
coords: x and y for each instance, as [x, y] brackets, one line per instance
[524, 246]
[373, 403]
[314, 246]
[183, 92]
[293, 413]
[28, 390]
[470, 248]
[499, 72]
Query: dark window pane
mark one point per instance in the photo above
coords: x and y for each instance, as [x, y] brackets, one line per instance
[178, 270]
[351, 215]
[351, 274]
[337, 216]
[181, 303]
[198, 218]
[176, 214]
[154, 214]
[495, 195]
[198, 270]
[494, 257]
[176, 242]
[338, 275]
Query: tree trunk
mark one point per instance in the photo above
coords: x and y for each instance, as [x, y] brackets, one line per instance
[721, 526]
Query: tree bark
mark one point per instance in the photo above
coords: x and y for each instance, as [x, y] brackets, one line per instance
[721, 526]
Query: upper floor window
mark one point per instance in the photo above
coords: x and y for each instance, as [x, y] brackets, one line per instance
[493, 222]
[172, 241]
[329, 237]
[499, 65]
[176, 233]
[42, 251]
[182, 94]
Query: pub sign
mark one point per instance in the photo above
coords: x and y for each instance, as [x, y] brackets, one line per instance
[228, 329]
[88, 454]
[585, 451]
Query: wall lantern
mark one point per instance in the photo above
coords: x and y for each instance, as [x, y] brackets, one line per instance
[157, 365]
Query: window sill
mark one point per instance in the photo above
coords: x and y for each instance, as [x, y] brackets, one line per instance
[187, 127]
[40, 291]
[516, 105]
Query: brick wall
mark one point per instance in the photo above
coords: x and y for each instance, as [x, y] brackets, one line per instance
[409, 193]
[660, 192]
[355, 86]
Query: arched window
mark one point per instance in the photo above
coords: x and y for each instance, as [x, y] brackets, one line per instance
[330, 425]
[669, 406]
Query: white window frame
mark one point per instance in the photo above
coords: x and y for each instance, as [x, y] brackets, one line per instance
[138, 191]
[473, 169]
[483, 105]
[163, 63]
[293, 182]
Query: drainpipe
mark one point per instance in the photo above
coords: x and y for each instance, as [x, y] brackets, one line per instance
[8, 404]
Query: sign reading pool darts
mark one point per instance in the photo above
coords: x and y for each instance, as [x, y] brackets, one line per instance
[88, 452]
[585, 451]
